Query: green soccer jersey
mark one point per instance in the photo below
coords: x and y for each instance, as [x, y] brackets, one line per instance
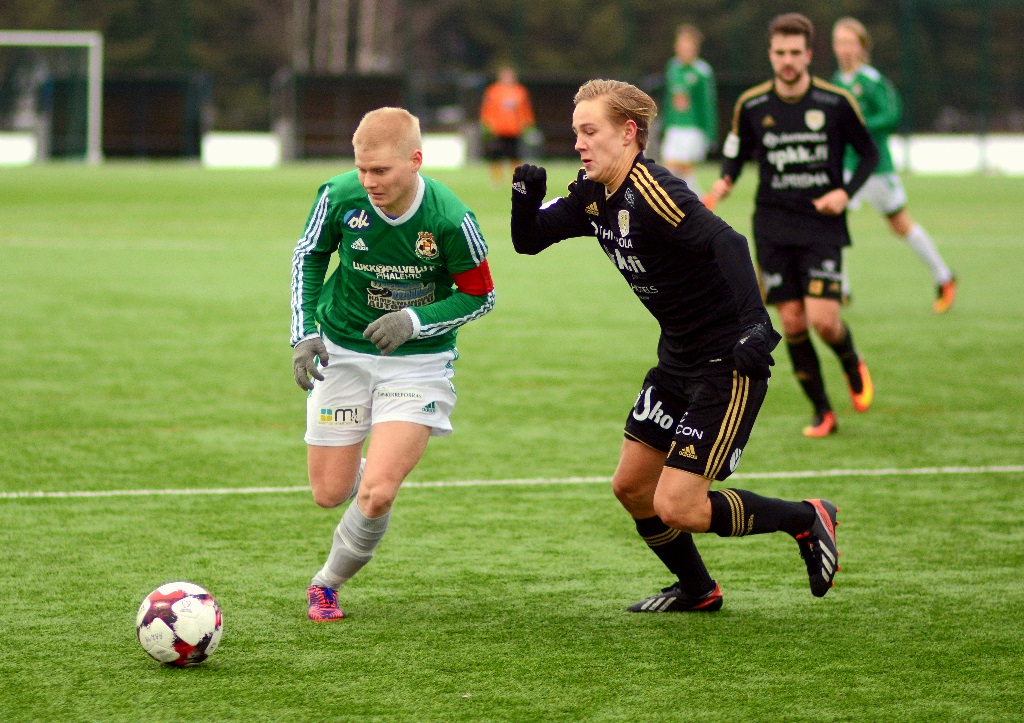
[387, 264]
[880, 105]
[691, 99]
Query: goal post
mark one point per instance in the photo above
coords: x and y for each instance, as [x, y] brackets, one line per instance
[93, 43]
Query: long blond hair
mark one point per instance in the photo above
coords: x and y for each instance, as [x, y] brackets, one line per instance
[857, 28]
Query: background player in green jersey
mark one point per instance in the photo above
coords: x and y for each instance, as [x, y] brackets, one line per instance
[690, 108]
[880, 104]
[379, 335]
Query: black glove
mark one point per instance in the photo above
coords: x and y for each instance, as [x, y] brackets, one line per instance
[304, 361]
[529, 185]
[753, 352]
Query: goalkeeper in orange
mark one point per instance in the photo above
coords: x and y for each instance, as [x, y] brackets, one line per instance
[505, 115]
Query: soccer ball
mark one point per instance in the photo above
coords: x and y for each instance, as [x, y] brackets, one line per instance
[179, 624]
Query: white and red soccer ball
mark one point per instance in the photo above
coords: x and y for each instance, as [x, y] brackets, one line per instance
[179, 624]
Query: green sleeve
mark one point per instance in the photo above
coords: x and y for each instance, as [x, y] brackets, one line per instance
[464, 249]
[458, 309]
[309, 267]
[881, 107]
[709, 119]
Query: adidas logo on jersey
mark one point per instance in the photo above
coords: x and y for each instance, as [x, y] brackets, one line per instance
[359, 245]
[767, 122]
[592, 209]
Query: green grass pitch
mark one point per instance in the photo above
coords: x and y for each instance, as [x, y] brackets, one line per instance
[144, 327]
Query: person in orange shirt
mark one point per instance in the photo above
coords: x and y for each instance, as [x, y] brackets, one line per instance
[505, 115]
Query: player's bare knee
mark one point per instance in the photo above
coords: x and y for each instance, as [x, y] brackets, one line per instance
[327, 498]
[681, 514]
[374, 502]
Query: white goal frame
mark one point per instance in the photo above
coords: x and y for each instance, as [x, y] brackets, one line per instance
[93, 42]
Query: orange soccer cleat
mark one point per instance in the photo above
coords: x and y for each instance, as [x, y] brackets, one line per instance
[945, 296]
[823, 425]
[862, 400]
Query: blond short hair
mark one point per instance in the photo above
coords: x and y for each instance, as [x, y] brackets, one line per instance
[857, 28]
[394, 127]
[624, 102]
[691, 30]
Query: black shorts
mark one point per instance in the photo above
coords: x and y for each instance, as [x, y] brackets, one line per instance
[701, 423]
[502, 147]
[794, 272]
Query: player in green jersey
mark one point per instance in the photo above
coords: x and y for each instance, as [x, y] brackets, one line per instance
[691, 107]
[378, 336]
[880, 104]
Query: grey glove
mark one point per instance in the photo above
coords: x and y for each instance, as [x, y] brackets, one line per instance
[390, 331]
[304, 361]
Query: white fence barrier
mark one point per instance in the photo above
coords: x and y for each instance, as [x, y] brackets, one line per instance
[18, 149]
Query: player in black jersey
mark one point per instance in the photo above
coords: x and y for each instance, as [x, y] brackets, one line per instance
[696, 408]
[798, 128]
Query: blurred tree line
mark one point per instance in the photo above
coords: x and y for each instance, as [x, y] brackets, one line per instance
[956, 59]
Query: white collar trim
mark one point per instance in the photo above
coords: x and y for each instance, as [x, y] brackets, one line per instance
[411, 211]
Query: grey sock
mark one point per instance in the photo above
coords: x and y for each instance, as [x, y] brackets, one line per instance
[355, 539]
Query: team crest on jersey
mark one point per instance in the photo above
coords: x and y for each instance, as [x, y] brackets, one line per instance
[357, 220]
[857, 89]
[623, 223]
[425, 247]
[815, 119]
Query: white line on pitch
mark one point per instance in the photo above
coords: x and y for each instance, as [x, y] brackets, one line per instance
[997, 469]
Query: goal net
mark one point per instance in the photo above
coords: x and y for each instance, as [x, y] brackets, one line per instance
[51, 90]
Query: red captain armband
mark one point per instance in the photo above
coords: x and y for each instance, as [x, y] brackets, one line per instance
[475, 282]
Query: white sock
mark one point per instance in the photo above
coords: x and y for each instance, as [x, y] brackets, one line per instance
[355, 539]
[919, 240]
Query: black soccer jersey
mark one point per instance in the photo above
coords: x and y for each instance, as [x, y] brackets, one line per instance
[688, 267]
[799, 146]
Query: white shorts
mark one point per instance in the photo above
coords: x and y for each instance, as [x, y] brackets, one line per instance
[883, 191]
[360, 390]
[684, 145]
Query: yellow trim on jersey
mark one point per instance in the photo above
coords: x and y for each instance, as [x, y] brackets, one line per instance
[657, 197]
[825, 85]
[730, 425]
[744, 97]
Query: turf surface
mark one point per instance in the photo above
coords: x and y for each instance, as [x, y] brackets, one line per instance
[144, 325]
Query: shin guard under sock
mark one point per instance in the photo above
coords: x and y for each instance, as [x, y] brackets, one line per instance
[807, 370]
[735, 513]
[677, 551]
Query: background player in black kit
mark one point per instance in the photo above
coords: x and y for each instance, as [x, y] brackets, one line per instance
[694, 414]
[798, 128]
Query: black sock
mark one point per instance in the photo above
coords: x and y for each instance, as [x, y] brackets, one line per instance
[675, 548]
[849, 359]
[808, 371]
[739, 512]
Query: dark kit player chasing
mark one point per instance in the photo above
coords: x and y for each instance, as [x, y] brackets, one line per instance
[798, 128]
[696, 408]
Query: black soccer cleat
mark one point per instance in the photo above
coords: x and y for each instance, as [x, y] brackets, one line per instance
[672, 599]
[818, 547]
